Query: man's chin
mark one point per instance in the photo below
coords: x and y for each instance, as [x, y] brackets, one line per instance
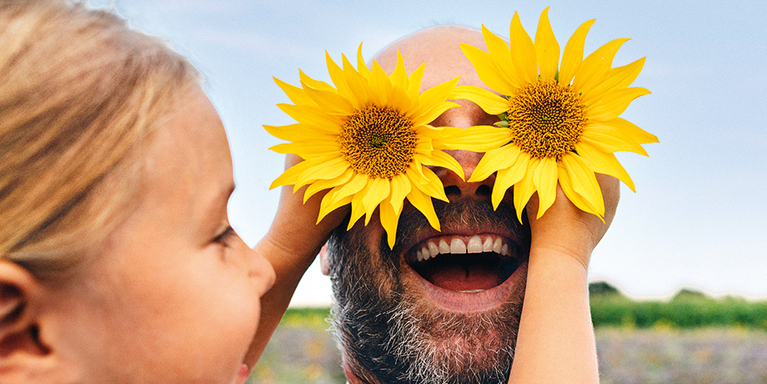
[444, 346]
[470, 334]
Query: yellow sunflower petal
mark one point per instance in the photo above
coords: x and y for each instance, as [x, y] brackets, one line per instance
[522, 51]
[356, 84]
[357, 210]
[295, 94]
[442, 159]
[373, 194]
[433, 187]
[400, 187]
[308, 175]
[523, 191]
[433, 113]
[307, 149]
[426, 138]
[596, 65]
[612, 144]
[294, 132]
[290, 175]
[329, 204]
[604, 163]
[432, 102]
[444, 137]
[490, 102]
[479, 138]
[506, 178]
[362, 68]
[584, 182]
[573, 55]
[321, 185]
[614, 103]
[389, 218]
[330, 102]
[486, 70]
[414, 89]
[629, 129]
[330, 169]
[546, 48]
[381, 86]
[400, 99]
[312, 116]
[415, 173]
[399, 77]
[316, 84]
[618, 78]
[567, 187]
[352, 187]
[338, 78]
[545, 181]
[422, 202]
[494, 160]
[607, 141]
[499, 55]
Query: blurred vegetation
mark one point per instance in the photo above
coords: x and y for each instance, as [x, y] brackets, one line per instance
[687, 309]
[306, 317]
[609, 307]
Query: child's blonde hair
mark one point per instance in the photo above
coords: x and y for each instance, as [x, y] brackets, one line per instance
[79, 94]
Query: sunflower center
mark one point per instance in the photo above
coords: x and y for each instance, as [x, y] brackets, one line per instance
[546, 119]
[378, 142]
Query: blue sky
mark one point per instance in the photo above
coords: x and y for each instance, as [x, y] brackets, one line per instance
[698, 217]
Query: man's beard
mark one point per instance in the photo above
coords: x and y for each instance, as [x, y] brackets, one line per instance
[390, 335]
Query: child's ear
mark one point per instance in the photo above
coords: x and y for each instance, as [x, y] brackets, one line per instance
[22, 352]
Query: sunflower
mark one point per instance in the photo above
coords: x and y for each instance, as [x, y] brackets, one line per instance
[368, 140]
[559, 121]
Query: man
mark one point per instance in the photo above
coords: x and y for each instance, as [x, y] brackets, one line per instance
[453, 316]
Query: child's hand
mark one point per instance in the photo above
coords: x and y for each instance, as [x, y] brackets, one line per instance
[555, 324]
[295, 229]
[292, 243]
[566, 229]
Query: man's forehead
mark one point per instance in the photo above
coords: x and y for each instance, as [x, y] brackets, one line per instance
[439, 48]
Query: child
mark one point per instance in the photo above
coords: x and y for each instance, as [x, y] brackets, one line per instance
[117, 262]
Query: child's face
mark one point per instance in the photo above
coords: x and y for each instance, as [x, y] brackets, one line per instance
[173, 295]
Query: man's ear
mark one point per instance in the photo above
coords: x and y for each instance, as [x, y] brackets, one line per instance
[21, 350]
[324, 260]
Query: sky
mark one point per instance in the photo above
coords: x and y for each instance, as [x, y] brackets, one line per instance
[698, 217]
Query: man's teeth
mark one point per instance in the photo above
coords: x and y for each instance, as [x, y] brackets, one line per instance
[432, 248]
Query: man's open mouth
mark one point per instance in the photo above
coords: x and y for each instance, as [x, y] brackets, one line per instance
[465, 264]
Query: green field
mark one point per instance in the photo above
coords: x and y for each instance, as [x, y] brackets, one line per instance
[687, 310]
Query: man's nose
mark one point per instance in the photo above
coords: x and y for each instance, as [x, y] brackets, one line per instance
[455, 187]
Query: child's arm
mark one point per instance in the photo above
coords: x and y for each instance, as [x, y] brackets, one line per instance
[555, 343]
[290, 246]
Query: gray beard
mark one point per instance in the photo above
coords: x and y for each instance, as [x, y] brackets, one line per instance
[391, 336]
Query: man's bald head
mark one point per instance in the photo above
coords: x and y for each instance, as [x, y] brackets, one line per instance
[438, 47]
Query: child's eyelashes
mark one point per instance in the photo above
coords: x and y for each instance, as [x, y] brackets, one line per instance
[225, 236]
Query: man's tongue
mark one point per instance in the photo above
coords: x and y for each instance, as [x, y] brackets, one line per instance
[462, 276]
